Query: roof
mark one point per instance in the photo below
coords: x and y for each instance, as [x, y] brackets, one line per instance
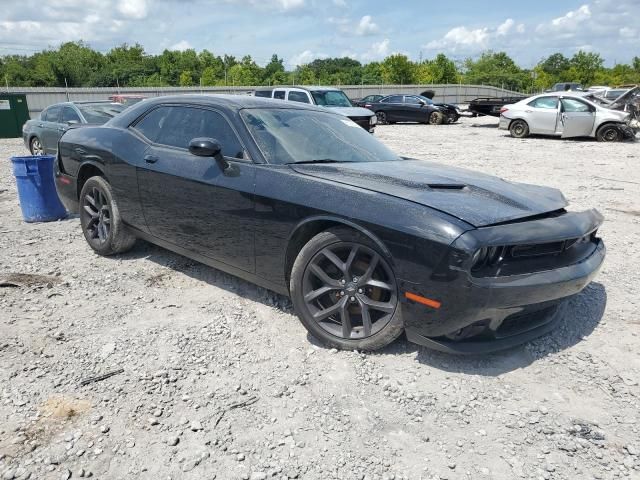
[310, 88]
[231, 103]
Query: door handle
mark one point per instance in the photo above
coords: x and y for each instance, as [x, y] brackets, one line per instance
[41, 125]
[150, 158]
[528, 111]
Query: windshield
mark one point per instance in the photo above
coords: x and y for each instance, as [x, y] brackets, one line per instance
[99, 113]
[331, 98]
[294, 136]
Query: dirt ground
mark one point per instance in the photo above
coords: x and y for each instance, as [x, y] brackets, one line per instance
[220, 380]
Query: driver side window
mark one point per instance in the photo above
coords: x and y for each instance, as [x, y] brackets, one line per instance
[573, 105]
[176, 126]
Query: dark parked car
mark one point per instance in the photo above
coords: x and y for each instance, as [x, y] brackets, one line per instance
[41, 135]
[413, 108]
[365, 101]
[491, 105]
[300, 200]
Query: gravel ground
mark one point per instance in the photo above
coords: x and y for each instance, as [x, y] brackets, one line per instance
[220, 380]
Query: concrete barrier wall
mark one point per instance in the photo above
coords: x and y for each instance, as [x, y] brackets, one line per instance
[38, 98]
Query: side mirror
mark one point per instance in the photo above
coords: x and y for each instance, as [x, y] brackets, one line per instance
[208, 147]
[205, 147]
[422, 103]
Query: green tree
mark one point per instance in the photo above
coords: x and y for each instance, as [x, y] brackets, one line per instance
[398, 69]
[77, 63]
[584, 66]
[246, 73]
[186, 79]
[274, 72]
[497, 69]
[555, 65]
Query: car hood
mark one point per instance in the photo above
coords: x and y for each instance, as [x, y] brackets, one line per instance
[475, 198]
[352, 111]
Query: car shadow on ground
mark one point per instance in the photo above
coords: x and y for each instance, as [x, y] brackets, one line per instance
[580, 317]
[204, 273]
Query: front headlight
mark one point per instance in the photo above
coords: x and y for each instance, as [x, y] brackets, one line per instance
[373, 120]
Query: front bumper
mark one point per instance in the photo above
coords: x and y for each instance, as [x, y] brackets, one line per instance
[483, 314]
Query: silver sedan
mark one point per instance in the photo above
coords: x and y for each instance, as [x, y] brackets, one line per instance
[566, 115]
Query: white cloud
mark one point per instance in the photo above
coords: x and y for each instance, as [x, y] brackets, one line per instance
[505, 27]
[604, 26]
[181, 46]
[461, 37]
[366, 26]
[305, 57]
[627, 32]
[136, 9]
[376, 51]
[573, 18]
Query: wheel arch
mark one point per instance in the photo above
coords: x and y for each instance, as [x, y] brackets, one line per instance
[609, 123]
[310, 227]
[85, 172]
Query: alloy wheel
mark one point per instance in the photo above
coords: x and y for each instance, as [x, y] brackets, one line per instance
[98, 215]
[382, 117]
[350, 290]
[36, 147]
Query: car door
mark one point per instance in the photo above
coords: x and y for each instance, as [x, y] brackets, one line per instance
[542, 115]
[415, 111]
[576, 118]
[189, 200]
[393, 106]
[49, 129]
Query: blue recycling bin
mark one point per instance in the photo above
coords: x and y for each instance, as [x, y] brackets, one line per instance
[37, 189]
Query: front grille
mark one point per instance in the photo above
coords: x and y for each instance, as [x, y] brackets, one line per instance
[515, 259]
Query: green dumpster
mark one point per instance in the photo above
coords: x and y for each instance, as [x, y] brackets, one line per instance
[14, 112]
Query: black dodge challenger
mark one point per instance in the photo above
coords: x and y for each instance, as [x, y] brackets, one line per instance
[302, 201]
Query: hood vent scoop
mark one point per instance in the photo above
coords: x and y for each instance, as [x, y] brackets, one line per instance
[446, 186]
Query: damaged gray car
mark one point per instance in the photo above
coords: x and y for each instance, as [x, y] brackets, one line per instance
[567, 115]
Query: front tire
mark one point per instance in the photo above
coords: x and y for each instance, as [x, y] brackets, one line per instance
[436, 118]
[345, 292]
[35, 146]
[609, 133]
[519, 129]
[100, 219]
[382, 118]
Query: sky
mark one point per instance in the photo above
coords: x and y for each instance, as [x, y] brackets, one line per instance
[302, 30]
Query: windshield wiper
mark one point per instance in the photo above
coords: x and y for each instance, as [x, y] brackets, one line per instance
[318, 160]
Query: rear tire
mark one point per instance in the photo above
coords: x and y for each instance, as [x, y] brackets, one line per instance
[609, 133]
[361, 294]
[100, 219]
[35, 146]
[436, 118]
[519, 129]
